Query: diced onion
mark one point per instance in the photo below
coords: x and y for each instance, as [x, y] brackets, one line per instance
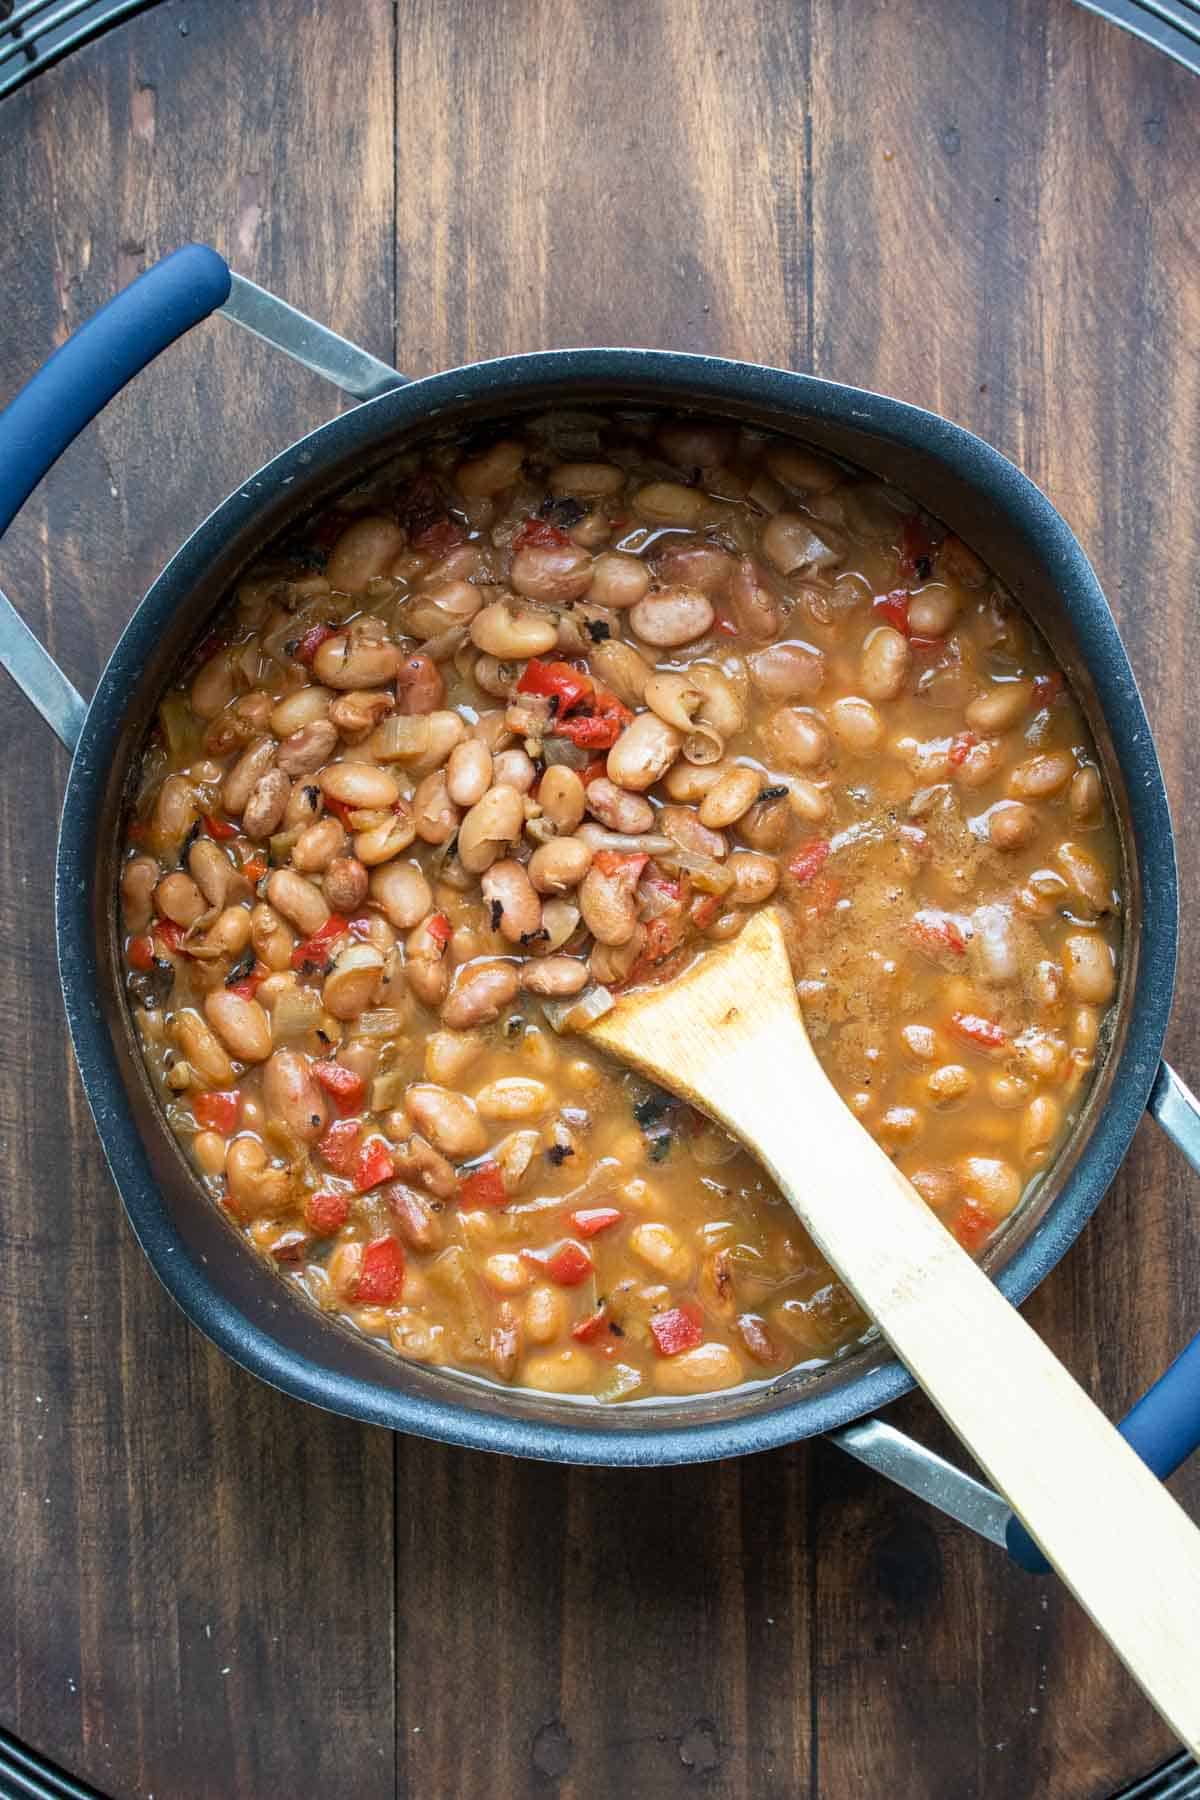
[574, 1015]
[295, 1014]
[383, 1022]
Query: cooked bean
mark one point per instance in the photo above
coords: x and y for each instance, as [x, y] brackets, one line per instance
[884, 663]
[352, 984]
[949, 1085]
[229, 933]
[294, 1095]
[241, 1024]
[425, 967]
[514, 769]
[366, 548]
[513, 1097]
[1040, 776]
[273, 942]
[401, 893]
[420, 687]
[790, 671]
[174, 813]
[690, 782]
[1086, 875]
[245, 774]
[301, 903]
[212, 688]
[932, 612]
[992, 1181]
[662, 1250]
[732, 796]
[791, 542]
[469, 772]
[1012, 825]
[856, 724]
[267, 803]
[303, 706]
[1040, 1126]
[619, 810]
[755, 877]
[448, 1120]
[1088, 967]
[491, 471]
[358, 784]
[618, 580]
[481, 995]
[691, 443]
[357, 658]
[307, 748]
[305, 805]
[256, 1187]
[668, 617]
[1085, 797]
[554, 574]
[623, 669]
[1001, 707]
[516, 911]
[139, 878]
[492, 823]
[802, 470]
[683, 825]
[545, 1314]
[318, 844]
[511, 632]
[201, 1047]
[700, 1371]
[345, 884]
[608, 904]
[807, 801]
[179, 899]
[797, 738]
[354, 715]
[557, 976]
[434, 814]
[696, 565]
[379, 843]
[644, 751]
[208, 1147]
[560, 865]
[670, 503]
[562, 797]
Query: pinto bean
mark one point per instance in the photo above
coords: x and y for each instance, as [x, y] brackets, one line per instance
[303, 706]
[493, 470]
[257, 1188]
[379, 843]
[1040, 776]
[884, 663]
[554, 574]
[308, 747]
[417, 1223]
[179, 899]
[420, 687]
[212, 687]
[241, 1024]
[273, 942]
[266, 805]
[492, 823]
[1000, 707]
[1012, 825]
[755, 877]
[305, 805]
[668, 617]
[516, 910]
[229, 933]
[1085, 797]
[693, 565]
[608, 903]
[401, 893]
[788, 671]
[302, 904]
[435, 815]
[425, 966]
[670, 503]
[352, 984]
[480, 996]
[1089, 967]
[557, 976]
[357, 658]
[694, 444]
[469, 772]
[448, 1120]
[345, 885]
[173, 814]
[755, 608]
[245, 774]
[796, 738]
[932, 612]
[732, 796]
[318, 844]
[358, 785]
[682, 824]
[619, 810]
[618, 580]
[856, 725]
[512, 633]
[201, 1047]
[644, 751]
[139, 878]
[560, 865]
[366, 548]
[802, 470]
[355, 714]
[294, 1095]
[562, 797]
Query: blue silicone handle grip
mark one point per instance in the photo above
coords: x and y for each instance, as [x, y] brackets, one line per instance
[93, 365]
[1164, 1429]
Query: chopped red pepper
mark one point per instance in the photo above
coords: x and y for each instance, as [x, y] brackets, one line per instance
[484, 1186]
[245, 990]
[594, 1327]
[568, 1265]
[313, 953]
[326, 1212]
[916, 547]
[220, 829]
[439, 538]
[140, 952]
[1049, 688]
[809, 860]
[925, 646]
[217, 1110]
[254, 868]
[983, 1034]
[136, 830]
[170, 933]
[289, 1246]
[626, 863]
[705, 911]
[590, 731]
[594, 770]
[894, 607]
[588, 1220]
[439, 929]
[341, 1145]
[380, 1278]
[558, 680]
[680, 1328]
[539, 534]
[663, 937]
[961, 748]
[972, 1226]
[935, 933]
[725, 626]
[373, 1165]
[308, 645]
[344, 1087]
[341, 810]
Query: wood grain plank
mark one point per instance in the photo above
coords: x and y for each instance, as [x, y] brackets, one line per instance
[194, 1572]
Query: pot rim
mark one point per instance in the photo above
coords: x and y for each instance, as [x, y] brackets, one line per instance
[687, 380]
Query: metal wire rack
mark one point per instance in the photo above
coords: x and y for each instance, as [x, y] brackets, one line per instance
[40, 33]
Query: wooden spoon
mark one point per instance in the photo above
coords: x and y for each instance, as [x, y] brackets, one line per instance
[727, 1034]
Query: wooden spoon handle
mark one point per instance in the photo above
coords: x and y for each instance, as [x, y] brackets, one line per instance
[1115, 1535]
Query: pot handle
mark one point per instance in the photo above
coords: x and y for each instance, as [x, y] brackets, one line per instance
[1164, 1426]
[65, 395]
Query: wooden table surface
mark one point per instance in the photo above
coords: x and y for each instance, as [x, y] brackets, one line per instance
[207, 1590]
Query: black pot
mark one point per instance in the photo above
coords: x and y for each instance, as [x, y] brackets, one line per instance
[225, 1289]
